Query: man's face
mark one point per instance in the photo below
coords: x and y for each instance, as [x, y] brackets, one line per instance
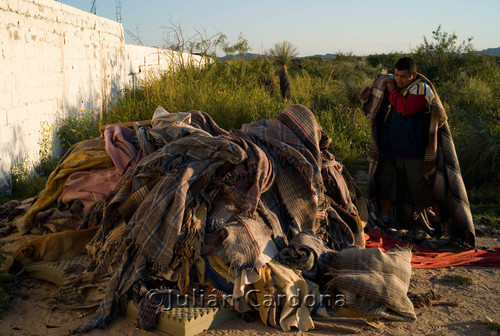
[403, 78]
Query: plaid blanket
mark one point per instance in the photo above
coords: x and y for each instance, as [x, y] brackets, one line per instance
[293, 143]
[190, 163]
[9, 211]
[252, 189]
[441, 167]
[372, 282]
[304, 253]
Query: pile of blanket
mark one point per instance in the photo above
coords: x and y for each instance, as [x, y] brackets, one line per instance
[184, 204]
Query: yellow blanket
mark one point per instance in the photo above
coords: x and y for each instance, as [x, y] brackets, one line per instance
[78, 161]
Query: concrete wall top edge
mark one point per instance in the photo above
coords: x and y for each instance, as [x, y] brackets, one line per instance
[73, 10]
[61, 13]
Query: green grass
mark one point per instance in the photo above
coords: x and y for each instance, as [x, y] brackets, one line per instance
[485, 203]
[8, 290]
[28, 182]
[493, 326]
[235, 92]
[28, 179]
[490, 212]
[461, 280]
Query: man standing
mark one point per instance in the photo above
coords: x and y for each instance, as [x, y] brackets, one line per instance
[402, 138]
[412, 158]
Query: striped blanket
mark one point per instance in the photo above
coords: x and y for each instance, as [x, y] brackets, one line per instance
[441, 167]
[246, 192]
[373, 283]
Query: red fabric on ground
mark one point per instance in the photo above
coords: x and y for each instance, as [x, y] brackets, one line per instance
[424, 258]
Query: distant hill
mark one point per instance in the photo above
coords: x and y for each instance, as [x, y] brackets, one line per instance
[324, 56]
[490, 51]
[245, 56]
[251, 55]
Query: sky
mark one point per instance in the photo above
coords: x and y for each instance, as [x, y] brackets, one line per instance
[361, 27]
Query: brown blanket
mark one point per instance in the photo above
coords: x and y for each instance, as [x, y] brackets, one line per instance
[441, 167]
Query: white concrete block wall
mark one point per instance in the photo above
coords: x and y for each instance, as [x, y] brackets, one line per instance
[142, 60]
[55, 59]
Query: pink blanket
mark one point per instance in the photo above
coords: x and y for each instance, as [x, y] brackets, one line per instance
[90, 186]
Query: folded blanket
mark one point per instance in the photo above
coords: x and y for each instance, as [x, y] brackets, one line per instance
[372, 282]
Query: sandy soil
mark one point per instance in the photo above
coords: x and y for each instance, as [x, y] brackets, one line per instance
[477, 303]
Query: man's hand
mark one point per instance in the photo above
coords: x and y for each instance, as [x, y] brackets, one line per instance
[390, 86]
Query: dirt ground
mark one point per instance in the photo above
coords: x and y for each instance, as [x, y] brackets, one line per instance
[31, 314]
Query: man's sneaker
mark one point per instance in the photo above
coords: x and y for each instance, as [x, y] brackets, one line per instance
[423, 221]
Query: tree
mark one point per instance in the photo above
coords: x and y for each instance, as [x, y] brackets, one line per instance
[283, 52]
[441, 56]
[241, 47]
[445, 43]
[200, 43]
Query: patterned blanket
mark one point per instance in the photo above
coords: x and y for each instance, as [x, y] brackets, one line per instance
[251, 190]
[441, 167]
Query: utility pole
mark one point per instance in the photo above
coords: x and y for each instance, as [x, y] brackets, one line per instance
[93, 7]
[118, 7]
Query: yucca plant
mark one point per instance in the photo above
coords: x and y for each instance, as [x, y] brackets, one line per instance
[283, 53]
